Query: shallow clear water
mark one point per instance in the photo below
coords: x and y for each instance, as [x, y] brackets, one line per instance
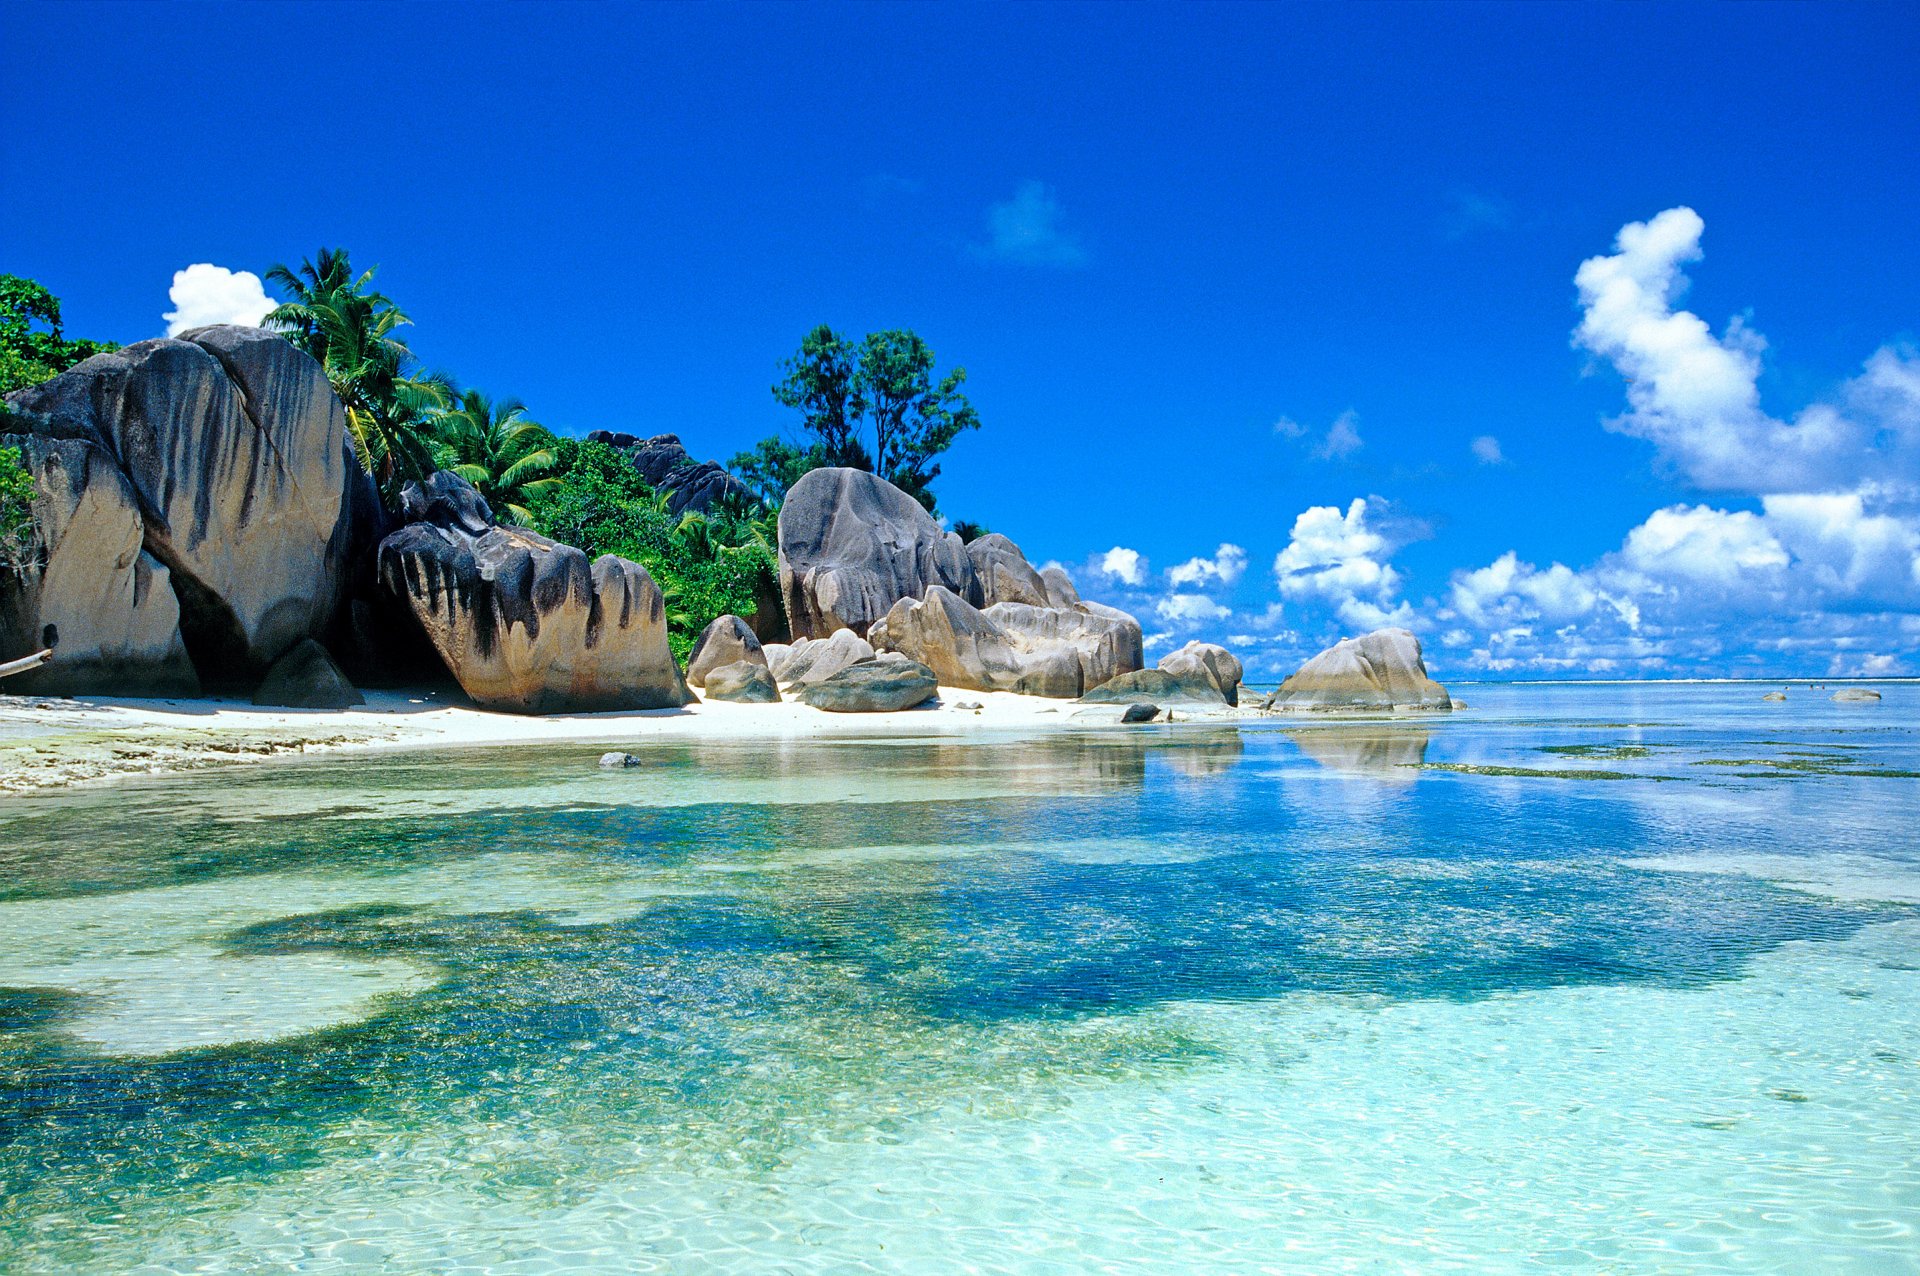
[1596, 979]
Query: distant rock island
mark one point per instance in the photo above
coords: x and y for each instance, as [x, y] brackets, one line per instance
[206, 525]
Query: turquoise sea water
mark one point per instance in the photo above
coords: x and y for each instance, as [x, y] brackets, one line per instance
[1620, 979]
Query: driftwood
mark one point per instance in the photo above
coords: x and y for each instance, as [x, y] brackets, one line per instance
[25, 663]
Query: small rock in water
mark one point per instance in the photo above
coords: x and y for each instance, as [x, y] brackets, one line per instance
[612, 760]
[1856, 695]
[1140, 713]
[1774, 695]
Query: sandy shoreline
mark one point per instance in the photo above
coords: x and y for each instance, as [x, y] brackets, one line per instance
[55, 743]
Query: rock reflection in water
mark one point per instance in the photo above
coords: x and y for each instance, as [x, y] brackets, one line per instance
[1378, 752]
[1202, 753]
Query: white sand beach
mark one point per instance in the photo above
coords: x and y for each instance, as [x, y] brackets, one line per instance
[52, 743]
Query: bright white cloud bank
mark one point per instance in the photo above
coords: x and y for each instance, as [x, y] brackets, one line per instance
[1696, 396]
[205, 294]
[1807, 561]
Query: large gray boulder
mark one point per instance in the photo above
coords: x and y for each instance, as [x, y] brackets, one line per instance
[667, 466]
[1001, 574]
[307, 678]
[744, 681]
[1059, 585]
[1105, 640]
[1156, 686]
[885, 684]
[1383, 670]
[816, 659]
[965, 648]
[852, 545]
[92, 593]
[1209, 663]
[728, 640]
[524, 623]
[236, 452]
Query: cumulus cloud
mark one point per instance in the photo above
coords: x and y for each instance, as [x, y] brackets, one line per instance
[1486, 450]
[1127, 566]
[1225, 567]
[205, 294]
[1341, 558]
[1030, 230]
[1696, 396]
[1189, 609]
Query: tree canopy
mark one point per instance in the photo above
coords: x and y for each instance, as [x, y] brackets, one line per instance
[876, 406]
[32, 346]
[349, 328]
[509, 459]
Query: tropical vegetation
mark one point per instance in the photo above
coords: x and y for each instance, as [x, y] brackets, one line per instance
[351, 331]
[32, 347]
[508, 458]
[16, 510]
[875, 406]
[708, 565]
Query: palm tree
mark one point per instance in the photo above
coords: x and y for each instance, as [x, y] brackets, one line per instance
[492, 445]
[349, 329]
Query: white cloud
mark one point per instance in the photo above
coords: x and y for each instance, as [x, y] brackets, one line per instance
[1190, 609]
[1226, 566]
[1328, 546]
[1507, 589]
[1029, 230]
[204, 294]
[1696, 396]
[1694, 544]
[1486, 450]
[1124, 565]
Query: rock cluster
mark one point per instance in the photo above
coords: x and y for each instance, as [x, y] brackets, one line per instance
[200, 511]
[858, 555]
[669, 468]
[1383, 670]
[728, 640]
[525, 623]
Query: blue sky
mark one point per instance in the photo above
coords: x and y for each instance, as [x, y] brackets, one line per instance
[1216, 275]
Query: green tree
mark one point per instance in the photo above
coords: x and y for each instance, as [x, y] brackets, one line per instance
[349, 328]
[32, 347]
[16, 510]
[875, 407]
[492, 445]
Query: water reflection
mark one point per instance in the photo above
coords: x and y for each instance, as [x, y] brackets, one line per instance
[1375, 751]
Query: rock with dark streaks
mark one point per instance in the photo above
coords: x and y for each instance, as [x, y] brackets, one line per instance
[524, 623]
[852, 545]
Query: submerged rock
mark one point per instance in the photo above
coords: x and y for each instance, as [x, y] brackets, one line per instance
[616, 761]
[728, 640]
[852, 545]
[744, 682]
[1771, 695]
[1206, 664]
[882, 685]
[1855, 695]
[524, 623]
[1383, 670]
[307, 678]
